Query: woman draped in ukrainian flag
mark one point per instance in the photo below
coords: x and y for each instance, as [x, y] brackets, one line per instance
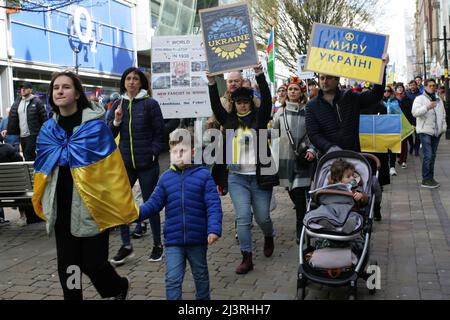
[81, 189]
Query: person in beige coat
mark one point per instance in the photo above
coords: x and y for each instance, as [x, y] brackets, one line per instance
[429, 111]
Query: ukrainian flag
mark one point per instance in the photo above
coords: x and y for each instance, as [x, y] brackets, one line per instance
[378, 133]
[394, 108]
[97, 169]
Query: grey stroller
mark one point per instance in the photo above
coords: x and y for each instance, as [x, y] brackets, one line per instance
[353, 245]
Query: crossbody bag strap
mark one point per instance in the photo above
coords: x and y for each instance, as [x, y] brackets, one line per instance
[289, 134]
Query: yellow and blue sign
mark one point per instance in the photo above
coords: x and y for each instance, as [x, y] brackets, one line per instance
[346, 52]
[380, 133]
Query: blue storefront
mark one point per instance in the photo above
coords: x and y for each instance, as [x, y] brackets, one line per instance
[94, 38]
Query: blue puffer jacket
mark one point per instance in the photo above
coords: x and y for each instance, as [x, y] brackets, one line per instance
[193, 208]
[141, 130]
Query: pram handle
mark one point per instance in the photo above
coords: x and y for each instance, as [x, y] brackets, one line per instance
[320, 193]
[369, 156]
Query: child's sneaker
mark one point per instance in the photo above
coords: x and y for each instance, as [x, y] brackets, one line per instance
[123, 255]
[140, 230]
[156, 254]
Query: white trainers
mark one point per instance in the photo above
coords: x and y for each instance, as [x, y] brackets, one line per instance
[22, 222]
[404, 165]
[393, 172]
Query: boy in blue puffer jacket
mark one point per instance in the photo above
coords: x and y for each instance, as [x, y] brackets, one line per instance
[193, 216]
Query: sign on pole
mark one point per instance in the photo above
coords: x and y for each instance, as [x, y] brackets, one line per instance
[179, 81]
[301, 67]
[347, 52]
[228, 38]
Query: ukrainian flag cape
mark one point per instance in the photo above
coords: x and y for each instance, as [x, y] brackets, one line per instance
[97, 169]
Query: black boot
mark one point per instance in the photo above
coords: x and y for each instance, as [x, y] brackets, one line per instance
[377, 212]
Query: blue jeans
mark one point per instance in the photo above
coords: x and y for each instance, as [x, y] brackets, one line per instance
[246, 194]
[176, 267]
[429, 149]
[147, 181]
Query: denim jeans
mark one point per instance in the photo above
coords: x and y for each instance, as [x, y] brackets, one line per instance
[147, 181]
[429, 149]
[245, 195]
[176, 267]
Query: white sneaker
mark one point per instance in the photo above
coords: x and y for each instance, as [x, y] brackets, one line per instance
[404, 165]
[393, 172]
[22, 222]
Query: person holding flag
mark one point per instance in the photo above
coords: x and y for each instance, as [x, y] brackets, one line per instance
[81, 189]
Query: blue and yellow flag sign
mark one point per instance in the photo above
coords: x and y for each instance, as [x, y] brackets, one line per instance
[97, 169]
[380, 133]
[347, 53]
[228, 38]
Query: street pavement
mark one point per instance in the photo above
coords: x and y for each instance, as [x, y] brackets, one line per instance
[411, 245]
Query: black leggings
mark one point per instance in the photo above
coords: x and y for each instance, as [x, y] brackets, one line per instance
[298, 197]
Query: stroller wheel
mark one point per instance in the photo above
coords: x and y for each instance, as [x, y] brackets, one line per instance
[353, 291]
[301, 293]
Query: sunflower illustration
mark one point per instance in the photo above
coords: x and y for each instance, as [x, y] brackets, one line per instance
[229, 25]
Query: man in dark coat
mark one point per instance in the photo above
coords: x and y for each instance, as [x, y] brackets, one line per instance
[26, 118]
[332, 118]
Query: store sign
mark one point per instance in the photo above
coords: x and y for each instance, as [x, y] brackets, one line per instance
[179, 80]
[76, 29]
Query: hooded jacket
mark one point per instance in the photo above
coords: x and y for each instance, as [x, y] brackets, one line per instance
[141, 130]
[192, 206]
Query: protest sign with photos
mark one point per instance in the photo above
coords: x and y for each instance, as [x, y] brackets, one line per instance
[179, 81]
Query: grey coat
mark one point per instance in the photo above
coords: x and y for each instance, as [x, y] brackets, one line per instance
[290, 177]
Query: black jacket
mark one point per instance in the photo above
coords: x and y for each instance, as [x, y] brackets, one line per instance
[338, 124]
[36, 116]
[406, 106]
[9, 154]
[260, 119]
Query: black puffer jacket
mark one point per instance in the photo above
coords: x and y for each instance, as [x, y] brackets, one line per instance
[36, 116]
[141, 131]
[338, 124]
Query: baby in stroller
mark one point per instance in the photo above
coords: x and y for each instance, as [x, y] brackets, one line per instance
[335, 241]
[343, 172]
[338, 213]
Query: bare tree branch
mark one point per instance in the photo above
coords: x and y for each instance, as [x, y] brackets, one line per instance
[293, 21]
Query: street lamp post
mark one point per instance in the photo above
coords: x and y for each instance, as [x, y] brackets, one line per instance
[446, 84]
[77, 51]
[424, 66]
